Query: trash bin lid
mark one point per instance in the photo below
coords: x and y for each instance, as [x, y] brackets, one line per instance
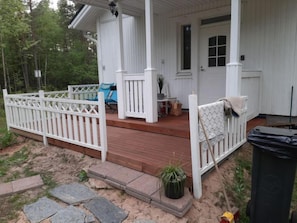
[279, 142]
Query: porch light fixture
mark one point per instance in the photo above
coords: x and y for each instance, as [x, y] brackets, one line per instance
[113, 8]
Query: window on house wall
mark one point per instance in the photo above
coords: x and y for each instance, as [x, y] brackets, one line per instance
[217, 51]
[186, 47]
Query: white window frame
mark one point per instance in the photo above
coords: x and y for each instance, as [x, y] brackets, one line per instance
[182, 72]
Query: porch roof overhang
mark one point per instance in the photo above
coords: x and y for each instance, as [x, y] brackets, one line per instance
[85, 19]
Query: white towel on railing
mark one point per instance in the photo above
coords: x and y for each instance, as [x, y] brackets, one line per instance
[212, 116]
[234, 106]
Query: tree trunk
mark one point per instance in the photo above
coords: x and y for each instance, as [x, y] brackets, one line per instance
[3, 66]
[25, 72]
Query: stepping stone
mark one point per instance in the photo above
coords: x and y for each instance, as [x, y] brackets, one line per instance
[73, 193]
[143, 187]
[101, 170]
[41, 209]
[105, 211]
[20, 185]
[26, 183]
[123, 176]
[178, 207]
[6, 189]
[69, 215]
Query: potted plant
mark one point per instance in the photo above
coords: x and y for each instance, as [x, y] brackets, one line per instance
[173, 179]
[160, 84]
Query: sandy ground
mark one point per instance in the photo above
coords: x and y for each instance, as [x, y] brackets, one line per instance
[64, 165]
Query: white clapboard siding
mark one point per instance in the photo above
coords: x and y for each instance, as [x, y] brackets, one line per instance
[268, 41]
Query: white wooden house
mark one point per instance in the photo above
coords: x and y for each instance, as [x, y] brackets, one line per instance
[215, 48]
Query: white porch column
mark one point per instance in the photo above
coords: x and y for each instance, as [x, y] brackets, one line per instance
[99, 56]
[234, 68]
[150, 72]
[121, 63]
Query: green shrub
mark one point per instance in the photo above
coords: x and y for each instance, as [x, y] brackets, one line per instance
[7, 139]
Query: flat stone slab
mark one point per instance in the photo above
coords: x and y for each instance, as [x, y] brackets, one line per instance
[123, 175]
[69, 215]
[6, 189]
[105, 211]
[26, 183]
[20, 185]
[178, 207]
[73, 193]
[103, 169]
[175, 204]
[41, 209]
[145, 185]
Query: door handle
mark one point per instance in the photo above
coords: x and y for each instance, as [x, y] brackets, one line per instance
[202, 68]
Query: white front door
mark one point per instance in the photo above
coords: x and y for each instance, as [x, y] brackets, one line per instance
[214, 55]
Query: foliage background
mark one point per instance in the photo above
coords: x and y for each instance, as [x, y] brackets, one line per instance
[34, 36]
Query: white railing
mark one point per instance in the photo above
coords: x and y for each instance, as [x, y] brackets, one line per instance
[82, 92]
[78, 122]
[134, 88]
[233, 137]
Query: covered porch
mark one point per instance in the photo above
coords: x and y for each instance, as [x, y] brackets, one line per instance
[151, 53]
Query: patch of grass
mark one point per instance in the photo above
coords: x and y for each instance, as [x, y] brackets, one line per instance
[28, 171]
[48, 180]
[11, 205]
[239, 188]
[13, 176]
[17, 159]
[7, 139]
[83, 176]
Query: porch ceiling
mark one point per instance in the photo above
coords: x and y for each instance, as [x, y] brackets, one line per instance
[136, 7]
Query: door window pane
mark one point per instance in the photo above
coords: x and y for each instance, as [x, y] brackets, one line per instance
[186, 47]
[221, 40]
[217, 51]
[221, 61]
[212, 51]
[212, 62]
[222, 51]
[212, 41]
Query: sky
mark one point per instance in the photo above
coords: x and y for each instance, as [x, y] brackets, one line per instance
[54, 4]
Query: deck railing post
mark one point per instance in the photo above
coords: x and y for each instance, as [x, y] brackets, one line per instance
[70, 92]
[102, 124]
[5, 94]
[43, 117]
[121, 94]
[195, 154]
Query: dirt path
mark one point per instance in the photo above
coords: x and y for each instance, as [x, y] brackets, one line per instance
[61, 166]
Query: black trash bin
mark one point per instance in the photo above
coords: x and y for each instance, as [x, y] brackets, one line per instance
[273, 174]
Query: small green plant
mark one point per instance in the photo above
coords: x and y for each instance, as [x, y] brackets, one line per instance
[173, 178]
[17, 159]
[160, 83]
[239, 188]
[47, 179]
[7, 139]
[83, 176]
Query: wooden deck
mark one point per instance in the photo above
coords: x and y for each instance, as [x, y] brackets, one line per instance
[145, 147]
[148, 147]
